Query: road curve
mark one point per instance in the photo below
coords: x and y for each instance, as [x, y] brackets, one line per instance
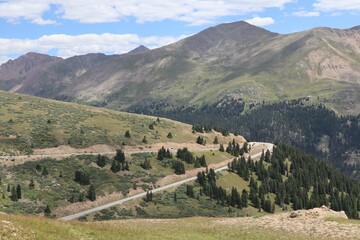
[155, 190]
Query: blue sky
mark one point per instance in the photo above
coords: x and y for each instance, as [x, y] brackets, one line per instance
[72, 27]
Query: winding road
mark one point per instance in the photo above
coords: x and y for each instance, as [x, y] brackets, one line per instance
[269, 146]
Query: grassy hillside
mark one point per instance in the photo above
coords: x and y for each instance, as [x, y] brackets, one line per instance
[25, 227]
[30, 122]
[316, 224]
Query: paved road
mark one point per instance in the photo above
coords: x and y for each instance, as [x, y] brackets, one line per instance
[143, 194]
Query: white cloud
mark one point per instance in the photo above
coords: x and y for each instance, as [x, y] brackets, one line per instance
[195, 12]
[258, 21]
[306, 14]
[68, 45]
[337, 5]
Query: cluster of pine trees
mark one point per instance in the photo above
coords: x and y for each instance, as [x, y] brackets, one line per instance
[201, 140]
[234, 148]
[209, 188]
[200, 162]
[185, 155]
[82, 177]
[298, 180]
[119, 163]
[164, 153]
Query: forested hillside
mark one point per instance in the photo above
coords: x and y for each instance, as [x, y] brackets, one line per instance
[288, 179]
[313, 129]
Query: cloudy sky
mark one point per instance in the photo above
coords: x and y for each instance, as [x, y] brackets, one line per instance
[71, 27]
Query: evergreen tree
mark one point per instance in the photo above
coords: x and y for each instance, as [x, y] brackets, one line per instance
[146, 164]
[13, 195]
[185, 155]
[244, 199]
[115, 166]
[101, 161]
[82, 177]
[120, 156]
[200, 140]
[44, 171]
[190, 190]
[47, 210]
[179, 167]
[81, 197]
[170, 136]
[221, 149]
[216, 140]
[91, 193]
[38, 167]
[18, 191]
[127, 134]
[144, 140]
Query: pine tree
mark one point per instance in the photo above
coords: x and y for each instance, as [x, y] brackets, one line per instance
[244, 199]
[216, 140]
[101, 161]
[151, 126]
[146, 164]
[190, 190]
[179, 167]
[18, 191]
[170, 136]
[44, 171]
[47, 210]
[120, 156]
[115, 166]
[221, 149]
[127, 134]
[144, 140]
[13, 195]
[91, 193]
[81, 197]
[38, 167]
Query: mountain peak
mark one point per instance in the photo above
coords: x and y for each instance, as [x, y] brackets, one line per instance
[22, 65]
[240, 33]
[139, 49]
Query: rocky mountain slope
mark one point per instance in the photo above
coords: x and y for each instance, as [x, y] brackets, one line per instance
[235, 60]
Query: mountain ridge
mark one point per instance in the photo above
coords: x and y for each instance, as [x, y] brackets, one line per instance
[235, 60]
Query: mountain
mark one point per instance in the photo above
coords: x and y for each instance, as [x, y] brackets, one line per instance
[42, 75]
[139, 49]
[234, 60]
[14, 72]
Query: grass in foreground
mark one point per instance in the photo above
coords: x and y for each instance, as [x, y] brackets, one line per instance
[26, 227]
